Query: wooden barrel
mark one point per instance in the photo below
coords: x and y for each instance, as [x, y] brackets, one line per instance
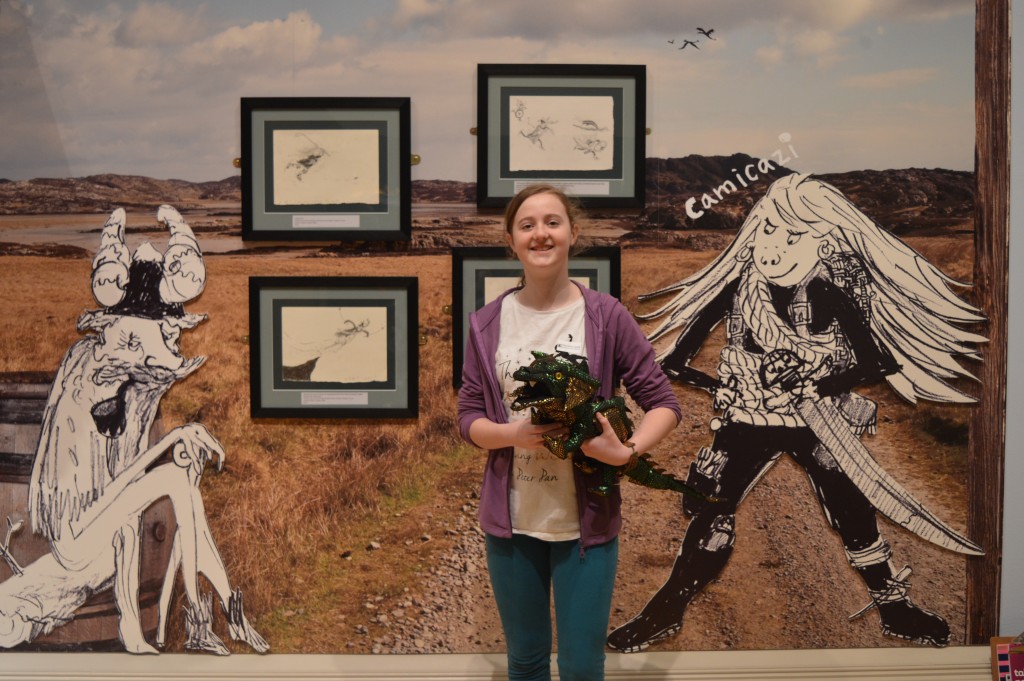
[22, 400]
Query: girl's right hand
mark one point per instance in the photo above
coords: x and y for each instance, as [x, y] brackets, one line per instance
[527, 435]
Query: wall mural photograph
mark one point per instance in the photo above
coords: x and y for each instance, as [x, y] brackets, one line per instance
[804, 264]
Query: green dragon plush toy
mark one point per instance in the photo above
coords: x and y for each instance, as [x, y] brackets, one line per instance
[559, 389]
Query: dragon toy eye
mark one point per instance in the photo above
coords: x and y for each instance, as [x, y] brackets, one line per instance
[558, 375]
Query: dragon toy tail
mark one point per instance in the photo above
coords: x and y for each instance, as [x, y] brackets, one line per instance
[645, 472]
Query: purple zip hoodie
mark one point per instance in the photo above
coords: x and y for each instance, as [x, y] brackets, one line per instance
[616, 350]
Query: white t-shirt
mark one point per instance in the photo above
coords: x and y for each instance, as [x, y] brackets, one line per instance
[543, 492]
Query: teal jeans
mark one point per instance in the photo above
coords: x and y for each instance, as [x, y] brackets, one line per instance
[524, 571]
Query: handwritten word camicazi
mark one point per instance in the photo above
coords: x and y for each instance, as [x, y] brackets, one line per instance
[744, 177]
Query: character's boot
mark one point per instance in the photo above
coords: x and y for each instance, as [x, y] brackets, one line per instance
[199, 634]
[239, 627]
[706, 548]
[693, 569]
[898, 615]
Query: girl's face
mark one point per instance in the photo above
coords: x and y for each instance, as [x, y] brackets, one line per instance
[541, 234]
[783, 252]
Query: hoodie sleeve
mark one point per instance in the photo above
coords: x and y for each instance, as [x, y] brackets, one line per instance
[634, 364]
[471, 405]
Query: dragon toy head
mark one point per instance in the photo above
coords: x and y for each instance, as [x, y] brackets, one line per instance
[561, 380]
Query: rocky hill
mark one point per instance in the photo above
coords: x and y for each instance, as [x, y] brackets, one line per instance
[670, 178]
[103, 193]
[918, 200]
[905, 200]
[443, 191]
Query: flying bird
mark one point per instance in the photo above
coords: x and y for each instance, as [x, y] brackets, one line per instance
[706, 32]
[688, 42]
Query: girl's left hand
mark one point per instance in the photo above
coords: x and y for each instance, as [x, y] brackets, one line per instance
[606, 447]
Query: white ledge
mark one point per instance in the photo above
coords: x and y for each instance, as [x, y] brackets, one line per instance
[965, 663]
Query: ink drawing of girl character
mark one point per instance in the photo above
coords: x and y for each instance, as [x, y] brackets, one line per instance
[817, 299]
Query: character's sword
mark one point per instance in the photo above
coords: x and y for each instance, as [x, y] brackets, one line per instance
[890, 498]
[783, 368]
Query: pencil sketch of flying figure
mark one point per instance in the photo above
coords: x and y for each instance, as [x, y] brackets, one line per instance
[337, 345]
[817, 299]
[95, 473]
[589, 146]
[535, 134]
[320, 345]
[589, 126]
[312, 154]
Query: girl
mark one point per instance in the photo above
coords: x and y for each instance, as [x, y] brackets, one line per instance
[544, 528]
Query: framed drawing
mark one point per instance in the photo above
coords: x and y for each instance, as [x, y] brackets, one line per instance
[326, 168]
[578, 126]
[333, 347]
[481, 273]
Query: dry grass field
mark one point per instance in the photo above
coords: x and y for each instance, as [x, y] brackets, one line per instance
[299, 501]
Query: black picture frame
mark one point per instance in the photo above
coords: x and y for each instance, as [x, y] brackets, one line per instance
[581, 127]
[481, 273]
[326, 168]
[334, 347]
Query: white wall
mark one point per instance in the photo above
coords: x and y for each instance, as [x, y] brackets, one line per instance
[1011, 608]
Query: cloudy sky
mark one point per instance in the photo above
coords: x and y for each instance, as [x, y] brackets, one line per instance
[153, 88]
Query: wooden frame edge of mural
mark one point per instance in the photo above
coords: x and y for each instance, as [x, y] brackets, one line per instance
[987, 445]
